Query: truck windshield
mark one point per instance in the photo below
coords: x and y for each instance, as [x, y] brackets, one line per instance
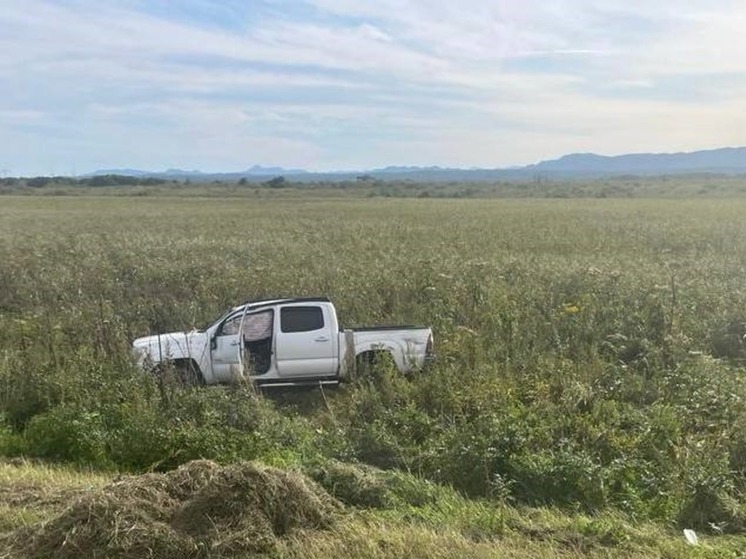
[218, 320]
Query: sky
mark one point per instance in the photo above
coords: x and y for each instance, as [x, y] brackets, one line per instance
[354, 85]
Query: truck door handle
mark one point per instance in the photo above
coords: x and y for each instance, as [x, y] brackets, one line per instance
[234, 344]
[321, 339]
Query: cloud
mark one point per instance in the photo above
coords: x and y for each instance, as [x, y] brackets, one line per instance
[328, 83]
[11, 116]
[375, 33]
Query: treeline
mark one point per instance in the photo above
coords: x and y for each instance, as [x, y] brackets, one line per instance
[372, 187]
[98, 180]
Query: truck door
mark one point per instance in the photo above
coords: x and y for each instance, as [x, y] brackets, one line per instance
[256, 333]
[305, 342]
[226, 350]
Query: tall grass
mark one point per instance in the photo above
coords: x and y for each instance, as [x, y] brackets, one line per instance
[590, 352]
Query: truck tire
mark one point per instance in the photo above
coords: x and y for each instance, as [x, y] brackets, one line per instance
[368, 363]
[181, 372]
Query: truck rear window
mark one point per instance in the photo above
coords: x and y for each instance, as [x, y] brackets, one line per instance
[301, 319]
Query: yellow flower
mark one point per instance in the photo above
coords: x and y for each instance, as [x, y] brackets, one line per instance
[570, 308]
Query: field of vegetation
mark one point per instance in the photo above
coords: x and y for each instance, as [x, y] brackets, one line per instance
[701, 185]
[588, 399]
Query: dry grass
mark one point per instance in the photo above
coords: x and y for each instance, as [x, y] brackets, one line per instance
[30, 491]
[204, 510]
[198, 510]
[368, 537]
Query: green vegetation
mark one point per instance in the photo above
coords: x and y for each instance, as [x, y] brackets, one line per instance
[625, 186]
[588, 396]
[13, 184]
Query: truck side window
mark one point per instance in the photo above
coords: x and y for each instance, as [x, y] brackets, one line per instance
[301, 319]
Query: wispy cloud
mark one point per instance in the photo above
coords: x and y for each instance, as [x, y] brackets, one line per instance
[344, 83]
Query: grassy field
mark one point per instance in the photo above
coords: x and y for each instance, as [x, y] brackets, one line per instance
[588, 398]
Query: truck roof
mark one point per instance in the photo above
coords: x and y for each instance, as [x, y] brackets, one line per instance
[268, 302]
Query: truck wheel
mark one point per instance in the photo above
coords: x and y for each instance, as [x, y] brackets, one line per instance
[183, 372]
[369, 363]
[189, 374]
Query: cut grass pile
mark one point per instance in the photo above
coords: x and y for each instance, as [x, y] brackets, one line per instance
[199, 510]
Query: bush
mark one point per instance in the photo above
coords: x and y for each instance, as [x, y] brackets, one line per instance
[38, 182]
[277, 182]
[366, 487]
[68, 433]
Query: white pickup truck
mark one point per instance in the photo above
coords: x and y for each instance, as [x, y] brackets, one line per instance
[277, 342]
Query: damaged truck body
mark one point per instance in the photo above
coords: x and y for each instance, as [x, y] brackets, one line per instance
[278, 342]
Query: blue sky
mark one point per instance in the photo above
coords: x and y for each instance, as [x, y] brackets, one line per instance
[342, 84]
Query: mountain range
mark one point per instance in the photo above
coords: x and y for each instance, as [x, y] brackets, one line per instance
[730, 160]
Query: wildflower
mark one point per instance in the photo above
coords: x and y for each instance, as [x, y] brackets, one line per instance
[570, 308]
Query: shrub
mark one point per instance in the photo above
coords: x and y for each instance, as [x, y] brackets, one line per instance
[68, 433]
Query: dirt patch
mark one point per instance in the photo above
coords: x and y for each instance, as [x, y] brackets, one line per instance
[199, 510]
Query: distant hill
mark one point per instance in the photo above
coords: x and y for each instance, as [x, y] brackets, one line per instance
[258, 170]
[255, 171]
[576, 165]
[724, 160]
[121, 172]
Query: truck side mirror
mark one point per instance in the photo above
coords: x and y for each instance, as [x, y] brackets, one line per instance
[213, 343]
